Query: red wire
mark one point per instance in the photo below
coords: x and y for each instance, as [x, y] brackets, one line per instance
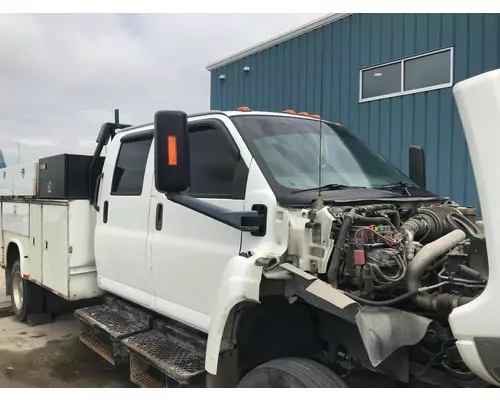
[363, 229]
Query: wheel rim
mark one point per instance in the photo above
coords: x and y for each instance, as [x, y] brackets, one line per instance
[18, 290]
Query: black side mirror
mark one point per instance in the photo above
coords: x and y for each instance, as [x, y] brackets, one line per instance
[417, 166]
[172, 166]
[172, 176]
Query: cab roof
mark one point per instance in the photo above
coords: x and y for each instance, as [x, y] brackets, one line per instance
[226, 113]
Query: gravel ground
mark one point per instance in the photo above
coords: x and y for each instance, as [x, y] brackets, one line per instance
[4, 300]
[51, 355]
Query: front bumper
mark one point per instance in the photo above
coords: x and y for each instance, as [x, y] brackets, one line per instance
[482, 356]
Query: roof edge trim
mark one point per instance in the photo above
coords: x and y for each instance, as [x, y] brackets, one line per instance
[310, 26]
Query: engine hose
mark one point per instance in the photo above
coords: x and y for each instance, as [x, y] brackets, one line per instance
[431, 223]
[443, 302]
[394, 215]
[332, 273]
[461, 222]
[389, 302]
[388, 278]
[371, 220]
[402, 265]
[439, 263]
[395, 300]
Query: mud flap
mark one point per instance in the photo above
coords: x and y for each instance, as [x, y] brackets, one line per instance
[383, 330]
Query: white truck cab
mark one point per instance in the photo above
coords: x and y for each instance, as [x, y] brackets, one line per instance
[258, 249]
[154, 239]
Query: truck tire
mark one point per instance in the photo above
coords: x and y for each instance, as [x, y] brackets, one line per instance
[25, 296]
[291, 373]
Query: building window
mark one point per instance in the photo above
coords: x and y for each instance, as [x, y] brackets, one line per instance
[424, 72]
[381, 81]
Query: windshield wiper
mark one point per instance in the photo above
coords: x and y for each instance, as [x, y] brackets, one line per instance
[330, 186]
[397, 185]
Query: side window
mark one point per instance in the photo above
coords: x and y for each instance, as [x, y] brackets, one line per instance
[128, 175]
[213, 163]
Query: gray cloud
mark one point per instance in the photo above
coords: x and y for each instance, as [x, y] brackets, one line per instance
[62, 75]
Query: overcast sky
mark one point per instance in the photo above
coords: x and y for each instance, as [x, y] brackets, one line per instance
[61, 76]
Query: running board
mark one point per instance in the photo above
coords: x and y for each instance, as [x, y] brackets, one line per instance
[105, 325]
[99, 346]
[164, 354]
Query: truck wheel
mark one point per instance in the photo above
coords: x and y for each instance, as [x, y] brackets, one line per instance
[291, 373]
[26, 297]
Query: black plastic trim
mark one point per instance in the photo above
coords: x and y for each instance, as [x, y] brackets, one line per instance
[240, 178]
[200, 114]
[125, 194]
[105, 212]
[159, 216]
[137, 136]
[96, 192]
[261, 210]
[246, 221]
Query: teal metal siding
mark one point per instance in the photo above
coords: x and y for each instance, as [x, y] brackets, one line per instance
[288, 76]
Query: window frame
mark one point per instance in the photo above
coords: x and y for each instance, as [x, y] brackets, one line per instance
[402, 61]
[130, 138]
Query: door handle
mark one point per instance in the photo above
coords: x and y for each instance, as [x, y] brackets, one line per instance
[105, 212]
[159, 216]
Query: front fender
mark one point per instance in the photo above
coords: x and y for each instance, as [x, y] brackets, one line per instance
[240, 282]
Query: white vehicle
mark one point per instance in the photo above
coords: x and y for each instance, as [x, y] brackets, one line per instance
[222, 266]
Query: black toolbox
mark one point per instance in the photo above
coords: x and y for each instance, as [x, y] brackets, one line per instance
[66, 176]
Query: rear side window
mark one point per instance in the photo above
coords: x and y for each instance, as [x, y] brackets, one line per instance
[128, 175]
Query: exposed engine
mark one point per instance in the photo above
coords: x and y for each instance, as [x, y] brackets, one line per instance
[434, 256]
[425, 260]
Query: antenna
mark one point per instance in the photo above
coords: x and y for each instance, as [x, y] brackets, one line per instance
[117, 116]
[319, 199]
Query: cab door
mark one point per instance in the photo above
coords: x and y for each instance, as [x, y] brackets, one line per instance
[122, 224]
[189, 250]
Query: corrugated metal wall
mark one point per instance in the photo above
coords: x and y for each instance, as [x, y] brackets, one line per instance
[288, 76]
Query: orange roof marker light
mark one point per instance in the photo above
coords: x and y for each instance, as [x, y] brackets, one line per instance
[304, 114]
[316, 116]
[289, 112]
[244, 108]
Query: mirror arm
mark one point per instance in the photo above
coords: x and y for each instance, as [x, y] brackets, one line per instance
[246, 221]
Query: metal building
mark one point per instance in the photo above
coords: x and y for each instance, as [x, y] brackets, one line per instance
[388, 77]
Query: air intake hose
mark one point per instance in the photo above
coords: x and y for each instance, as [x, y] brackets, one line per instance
[445, 302]
[430, 223]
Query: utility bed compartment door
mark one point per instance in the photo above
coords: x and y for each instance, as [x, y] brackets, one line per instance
[81, 224]
[15, 218]
[35, 249]
[25, 179]
[55, 247]
[6, 182]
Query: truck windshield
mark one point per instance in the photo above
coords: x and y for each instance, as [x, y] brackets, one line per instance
[289, 149]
